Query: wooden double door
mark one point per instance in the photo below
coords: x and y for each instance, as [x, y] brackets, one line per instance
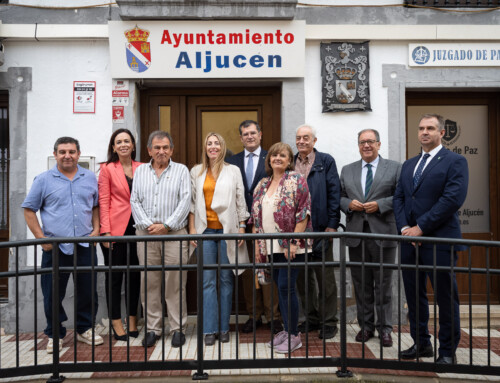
[189, 114]
[473, 130]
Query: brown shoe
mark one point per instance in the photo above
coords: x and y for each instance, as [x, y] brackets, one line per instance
[386, 339]
[364, 336]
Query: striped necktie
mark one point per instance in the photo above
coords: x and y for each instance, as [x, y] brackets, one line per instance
[369, 179]
[420, 169]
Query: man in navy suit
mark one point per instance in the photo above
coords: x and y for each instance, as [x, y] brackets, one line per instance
[430, 191]
[251, 163]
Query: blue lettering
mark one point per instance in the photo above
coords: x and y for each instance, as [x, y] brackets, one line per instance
[239, 61]
[183, 60]
[256, 61]
[208, 68]
[272, 59]
[198, 59]
[220, 64]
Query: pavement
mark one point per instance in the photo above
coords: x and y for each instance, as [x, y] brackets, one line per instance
[245, 348]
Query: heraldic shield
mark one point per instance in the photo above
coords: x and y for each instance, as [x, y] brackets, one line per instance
[345, 91]
[138, 49]
[451, 131]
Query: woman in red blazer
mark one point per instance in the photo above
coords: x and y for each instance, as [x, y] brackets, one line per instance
[115, 184]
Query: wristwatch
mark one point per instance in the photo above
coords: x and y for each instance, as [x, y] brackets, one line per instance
[166, 227]
[294, 242]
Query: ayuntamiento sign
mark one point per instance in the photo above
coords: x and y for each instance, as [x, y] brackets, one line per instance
[206, 49]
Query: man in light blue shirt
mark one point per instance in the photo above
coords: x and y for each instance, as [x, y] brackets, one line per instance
[67, 198]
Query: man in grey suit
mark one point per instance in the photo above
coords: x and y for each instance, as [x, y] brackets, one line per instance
[367, 188]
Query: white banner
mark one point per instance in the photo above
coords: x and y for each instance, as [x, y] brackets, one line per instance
[454, 54]
[206, 49]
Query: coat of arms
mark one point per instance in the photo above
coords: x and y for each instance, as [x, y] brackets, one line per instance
[345, 77]
[451, 132]
[138, 49]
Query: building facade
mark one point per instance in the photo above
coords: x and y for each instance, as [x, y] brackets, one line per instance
[195, 67]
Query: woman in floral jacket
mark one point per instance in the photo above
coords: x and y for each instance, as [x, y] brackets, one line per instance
[282, 204]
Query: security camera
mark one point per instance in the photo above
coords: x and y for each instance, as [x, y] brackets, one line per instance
[2, 53]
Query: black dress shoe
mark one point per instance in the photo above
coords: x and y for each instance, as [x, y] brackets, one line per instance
[329, 333]
[150, 339]
[364, 335]
[248, 326]
[276, 326]
[446, 359]
[133, 334]
[312, 327]
[224, 337]
[209, 339]
[178, 339]
[423, 352]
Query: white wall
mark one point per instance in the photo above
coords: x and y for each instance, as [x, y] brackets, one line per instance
[55, 65]
[337, 132]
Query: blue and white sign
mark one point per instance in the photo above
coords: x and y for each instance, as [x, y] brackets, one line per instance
[454, 55]
[207, 49]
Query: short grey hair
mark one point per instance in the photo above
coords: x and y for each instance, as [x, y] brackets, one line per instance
[160, 134]
[377, 136]
[313, 131]
[440, 119]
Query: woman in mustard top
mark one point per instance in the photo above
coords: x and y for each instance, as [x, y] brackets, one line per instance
[217, 206]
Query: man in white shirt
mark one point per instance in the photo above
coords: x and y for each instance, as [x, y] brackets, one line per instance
[160, 200]
[367, 189]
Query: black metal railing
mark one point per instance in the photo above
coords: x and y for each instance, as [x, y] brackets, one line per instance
[19, 360]
[454, 3]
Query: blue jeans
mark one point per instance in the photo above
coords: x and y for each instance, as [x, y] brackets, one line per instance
[83, 286]
[280, 277]
[210, 301]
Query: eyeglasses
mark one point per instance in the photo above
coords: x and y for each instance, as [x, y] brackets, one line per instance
[369, 142]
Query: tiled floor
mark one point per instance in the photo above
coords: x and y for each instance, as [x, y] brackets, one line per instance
[245, 348]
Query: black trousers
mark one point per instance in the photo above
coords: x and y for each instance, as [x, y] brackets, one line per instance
[119, 258]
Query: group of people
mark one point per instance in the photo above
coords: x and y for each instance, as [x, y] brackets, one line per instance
[259, 192]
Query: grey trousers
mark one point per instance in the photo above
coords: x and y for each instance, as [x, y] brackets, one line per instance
[313, 308]
[368, 296]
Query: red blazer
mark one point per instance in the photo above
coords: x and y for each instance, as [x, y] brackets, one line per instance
[114, 198]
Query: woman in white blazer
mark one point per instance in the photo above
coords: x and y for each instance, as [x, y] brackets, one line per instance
[217, 206]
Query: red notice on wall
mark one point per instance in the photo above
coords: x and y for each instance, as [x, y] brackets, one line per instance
[118, 115]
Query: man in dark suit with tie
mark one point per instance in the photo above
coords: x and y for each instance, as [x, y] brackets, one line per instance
[430, 191]
[366, 199]
[251, 163]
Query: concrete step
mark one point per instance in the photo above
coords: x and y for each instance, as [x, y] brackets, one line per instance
[479, 316]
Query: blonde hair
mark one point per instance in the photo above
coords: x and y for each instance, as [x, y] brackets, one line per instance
[277, 148]
[219, 161]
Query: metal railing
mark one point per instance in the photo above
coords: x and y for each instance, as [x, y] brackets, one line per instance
[23, 362]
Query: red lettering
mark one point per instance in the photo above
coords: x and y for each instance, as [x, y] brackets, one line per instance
[278, 37]
[256, 38]
[289, 37]
[166, 37]
[221, 38]
[210, 36]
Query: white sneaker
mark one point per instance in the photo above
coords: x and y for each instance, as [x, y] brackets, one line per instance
[50, 345]
[86, 337]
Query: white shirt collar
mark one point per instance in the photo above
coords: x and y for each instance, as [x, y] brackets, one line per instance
[256, 152]
[434, 151]
[374, 163]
